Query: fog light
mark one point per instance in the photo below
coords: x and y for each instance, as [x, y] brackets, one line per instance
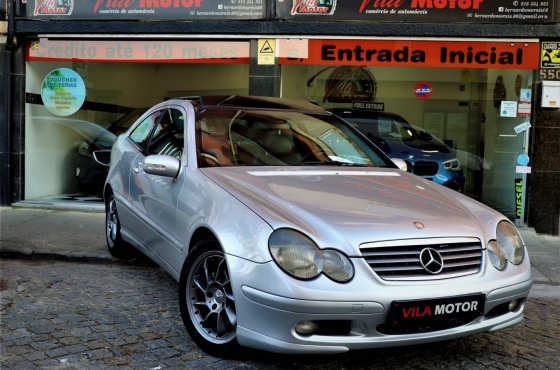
[513, 305]
[306, 327]
[77, 171]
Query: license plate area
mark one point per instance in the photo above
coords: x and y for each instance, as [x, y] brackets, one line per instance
[428, 311]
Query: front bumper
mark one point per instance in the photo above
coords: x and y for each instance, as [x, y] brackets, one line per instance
[267, 317]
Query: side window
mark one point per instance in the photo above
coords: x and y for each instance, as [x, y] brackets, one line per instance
[142, 132]
[168, 137]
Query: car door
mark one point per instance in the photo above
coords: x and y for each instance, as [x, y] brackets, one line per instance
[155, 197]
[131, 148]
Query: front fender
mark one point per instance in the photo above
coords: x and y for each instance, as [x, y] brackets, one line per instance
[239, 230]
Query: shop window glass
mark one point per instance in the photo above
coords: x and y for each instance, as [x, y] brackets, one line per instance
[63, 149]
[459, 136]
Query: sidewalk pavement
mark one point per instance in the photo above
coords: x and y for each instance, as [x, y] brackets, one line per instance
[80, 235]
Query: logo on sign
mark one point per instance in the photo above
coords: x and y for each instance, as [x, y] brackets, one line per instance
[423, 90]
[53, 7]
[347, 83]
[313, 7]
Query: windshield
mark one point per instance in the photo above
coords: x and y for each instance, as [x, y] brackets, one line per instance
[232, 137]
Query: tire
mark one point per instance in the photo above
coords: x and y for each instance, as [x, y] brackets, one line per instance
[115, 243]
[206, 301]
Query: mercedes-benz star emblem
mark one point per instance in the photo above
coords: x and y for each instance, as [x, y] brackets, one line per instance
[431, 260]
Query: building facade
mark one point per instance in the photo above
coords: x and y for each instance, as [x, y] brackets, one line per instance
[481, 78]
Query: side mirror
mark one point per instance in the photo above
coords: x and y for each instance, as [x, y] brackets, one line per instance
[162, 165]
[401, 164]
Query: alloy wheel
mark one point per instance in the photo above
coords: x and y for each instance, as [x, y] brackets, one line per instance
[112, 223]
[210, 300]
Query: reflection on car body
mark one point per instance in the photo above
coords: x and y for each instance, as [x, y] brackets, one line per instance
[288, 231]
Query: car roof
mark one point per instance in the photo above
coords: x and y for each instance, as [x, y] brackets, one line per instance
[262, 102]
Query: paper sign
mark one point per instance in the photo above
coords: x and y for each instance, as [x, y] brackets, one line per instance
[523, 109]
[525, 95]
[508, 109]
[522, 127]
[522, 169]
[266, 54]
[63, 92]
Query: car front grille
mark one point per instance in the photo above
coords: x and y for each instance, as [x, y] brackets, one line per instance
[425, 168]
[400, 259]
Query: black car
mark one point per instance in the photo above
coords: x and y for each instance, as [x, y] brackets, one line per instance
[92, 163]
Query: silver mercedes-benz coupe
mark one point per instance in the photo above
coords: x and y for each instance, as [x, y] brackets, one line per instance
[289, 231]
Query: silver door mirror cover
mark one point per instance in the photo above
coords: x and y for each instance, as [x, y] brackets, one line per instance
[162, 165]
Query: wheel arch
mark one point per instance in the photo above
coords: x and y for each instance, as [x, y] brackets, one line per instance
[202, 234]
[107, 191]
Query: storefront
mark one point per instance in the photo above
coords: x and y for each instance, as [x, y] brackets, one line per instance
[478, 95]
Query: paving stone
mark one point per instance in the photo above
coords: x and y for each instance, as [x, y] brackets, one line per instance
[56, 352]
[47, 363]
[69, 340]
[44, 345]
[99, 353]
[75, 348]
[165, 352]
[110, 334]
[34, 356]
[144, 357]
[156, 343]
[15, 350]
[96, 344]
[21, 341]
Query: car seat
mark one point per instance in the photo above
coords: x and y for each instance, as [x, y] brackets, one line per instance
[282, 147]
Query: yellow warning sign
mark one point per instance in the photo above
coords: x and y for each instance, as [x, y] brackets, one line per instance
[550, 55]
[266, 53]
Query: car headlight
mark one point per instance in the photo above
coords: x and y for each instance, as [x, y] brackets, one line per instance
[298, 256]
[452, 165]
[510, 242]
[83, 149]
[496, 256]
[508, 246]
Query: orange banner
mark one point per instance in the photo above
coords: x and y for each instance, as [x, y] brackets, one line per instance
[418, 53]
[148, 51]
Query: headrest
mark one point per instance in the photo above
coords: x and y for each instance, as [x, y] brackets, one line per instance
[278, 145]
